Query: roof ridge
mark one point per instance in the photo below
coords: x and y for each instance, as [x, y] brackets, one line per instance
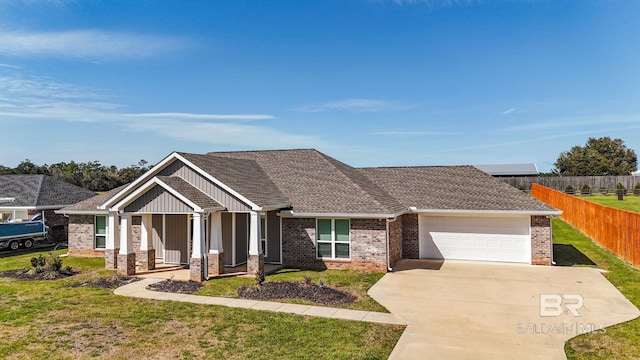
[326, 158]
[40, 184]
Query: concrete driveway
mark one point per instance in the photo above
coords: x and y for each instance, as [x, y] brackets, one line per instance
[466, 310]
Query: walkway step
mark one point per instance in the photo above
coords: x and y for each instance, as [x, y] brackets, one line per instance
[139, 289]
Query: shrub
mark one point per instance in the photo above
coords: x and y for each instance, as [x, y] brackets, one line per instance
[259, 278]
[569, 190]
[603, 190]
[50, 263]
[636, 189]
[621, 188]
[307, 279]
[585, 189]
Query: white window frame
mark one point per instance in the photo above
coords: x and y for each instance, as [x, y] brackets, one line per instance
[333, 240]
[95, 234]
[263, 234]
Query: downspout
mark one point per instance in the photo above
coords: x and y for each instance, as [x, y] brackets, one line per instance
[389, 269]
[551, 234]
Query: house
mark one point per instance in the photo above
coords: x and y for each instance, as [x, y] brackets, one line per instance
[23, 196]
[302, 208]
[510, 170]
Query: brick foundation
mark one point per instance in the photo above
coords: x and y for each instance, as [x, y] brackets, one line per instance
[195, 269]
[111, 259]
[215, 263]
[541, 242]
[146, 260]
[127, 264]
[255, 263]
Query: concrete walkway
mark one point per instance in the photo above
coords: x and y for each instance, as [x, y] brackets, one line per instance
[138, 289]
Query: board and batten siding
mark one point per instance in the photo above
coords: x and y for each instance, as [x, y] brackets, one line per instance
[157, 200]
[242, 237]
[273, 238]
[227, 238]
[157, 235]
[176, 244]
[177, 168]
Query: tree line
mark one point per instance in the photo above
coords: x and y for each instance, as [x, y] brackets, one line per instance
[90, 175]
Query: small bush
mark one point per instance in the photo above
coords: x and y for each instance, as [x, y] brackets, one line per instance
[259, 278]
[585, 189]
[603, 190]
[307, 279]
[49, 263]
[636, 189]
[569, 190]
[621, 188]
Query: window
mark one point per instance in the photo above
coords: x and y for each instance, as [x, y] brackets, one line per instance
[263, 234]
[100, 232]
[332, 238]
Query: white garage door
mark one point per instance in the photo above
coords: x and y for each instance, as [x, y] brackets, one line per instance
[475, 238]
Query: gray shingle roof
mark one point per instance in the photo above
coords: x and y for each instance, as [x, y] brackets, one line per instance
[40, 191]
[243, 175]
[452, 188]
[316, 183]
[190, 192]
[91, 204]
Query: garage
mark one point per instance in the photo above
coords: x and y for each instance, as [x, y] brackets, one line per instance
[478, 238]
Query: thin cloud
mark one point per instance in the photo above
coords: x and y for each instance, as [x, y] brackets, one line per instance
[508, 111]
[190, 116]
[355, 105]
[572, 122]
[413, 133]
[89, 44]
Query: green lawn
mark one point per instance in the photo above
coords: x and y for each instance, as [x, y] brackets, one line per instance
[48, 320]
[356, 282]
[630, 202]
[620, 341]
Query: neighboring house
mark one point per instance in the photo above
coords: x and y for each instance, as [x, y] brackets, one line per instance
[509, 170]
[302, 208]
[23, 196]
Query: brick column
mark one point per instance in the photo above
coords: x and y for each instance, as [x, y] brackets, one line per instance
[541, 242]
[127, 264]
[146, 260]
[146, 256]
[197, 259]
[215, 257]
[126, 257]
[111, 259]
[255, 263]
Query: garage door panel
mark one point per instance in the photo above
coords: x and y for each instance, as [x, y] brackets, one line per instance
[475, 238]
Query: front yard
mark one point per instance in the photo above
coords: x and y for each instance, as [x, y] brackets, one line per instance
[49, 319]
[620, 341]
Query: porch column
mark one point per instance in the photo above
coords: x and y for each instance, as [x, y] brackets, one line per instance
[215, 258]
[126, 257]
[112, 246]
[255, 263]
[196, 262]
[147, 255]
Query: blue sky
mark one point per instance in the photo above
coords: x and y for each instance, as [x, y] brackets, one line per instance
[370, 82]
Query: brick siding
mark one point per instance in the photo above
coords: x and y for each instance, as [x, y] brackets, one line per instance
[81, 235]
[541, 242]
[395, 241]
[410, 239]
[368, 245]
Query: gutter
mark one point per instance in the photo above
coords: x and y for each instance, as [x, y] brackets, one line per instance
[291, 213]
[389, 269]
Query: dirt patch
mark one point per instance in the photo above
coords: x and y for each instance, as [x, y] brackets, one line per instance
[174, 286]
[324, 295]
[27, 274]
[110, 282]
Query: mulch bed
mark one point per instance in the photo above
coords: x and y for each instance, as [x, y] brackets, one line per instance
[27, 274]
[324, 295]
[175, 286]
[109, 282]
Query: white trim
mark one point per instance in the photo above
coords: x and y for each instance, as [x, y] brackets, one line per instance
[486, 212]
[281, 259]
[266, 240]
[248, 202]
[46, 207]
[148, 186]
[83, 212]
[291, 213]
[106, 233]
[333, 240]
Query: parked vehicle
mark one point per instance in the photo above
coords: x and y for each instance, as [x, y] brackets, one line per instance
[13, 235]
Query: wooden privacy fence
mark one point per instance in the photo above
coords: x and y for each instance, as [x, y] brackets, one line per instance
[616, 230]
[561, 182]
